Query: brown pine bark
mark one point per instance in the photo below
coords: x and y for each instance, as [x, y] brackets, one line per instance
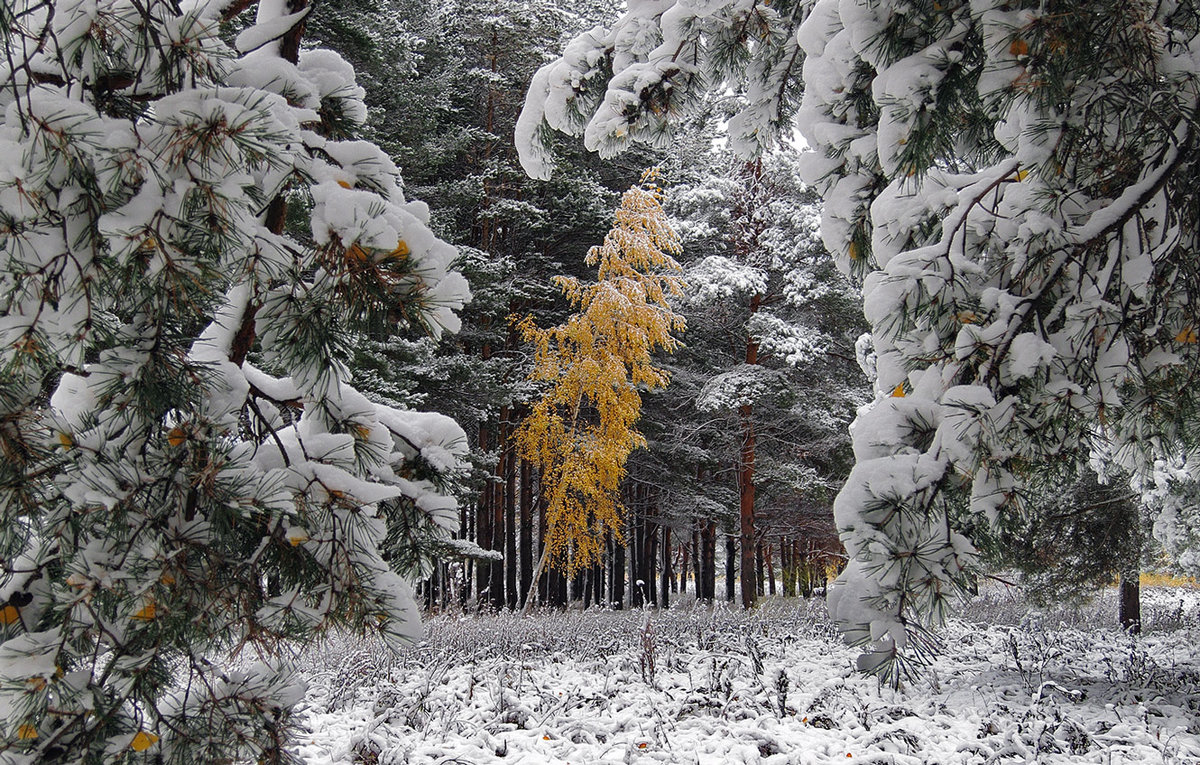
[526, 540]
[683, 565]
[730, 567]
[769, 555]
[1129, 603]
[664, 584]
[707, 586]
[498, 507]
[618, 575]
[483, 526]
[511, 562]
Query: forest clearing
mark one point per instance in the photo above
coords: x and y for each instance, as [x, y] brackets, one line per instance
[712, 685]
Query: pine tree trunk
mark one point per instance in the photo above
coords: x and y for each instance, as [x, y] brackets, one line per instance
[759, 577]
[618, 577]
[683, 564]
[511, 561]
[664, 585]
[496, 577]
[636, 545]
[1129, 603]
[483, 526]
[730, 567]
[746, 505]
[526, 542]
[767, 552]
[649, 561]
[598, 569]
[708, 561]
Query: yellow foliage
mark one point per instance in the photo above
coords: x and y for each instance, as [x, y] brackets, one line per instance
[143, 741]
[177, 436]
[27, 731]
[1157, 579]
[582, 430]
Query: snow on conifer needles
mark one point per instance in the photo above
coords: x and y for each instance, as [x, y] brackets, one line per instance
[187, 468]
[1015, 185]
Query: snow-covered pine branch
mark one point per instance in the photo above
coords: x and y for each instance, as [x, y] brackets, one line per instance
[188, 468]
[1014, 183]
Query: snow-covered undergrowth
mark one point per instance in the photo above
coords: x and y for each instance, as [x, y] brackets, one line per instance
[701, 685]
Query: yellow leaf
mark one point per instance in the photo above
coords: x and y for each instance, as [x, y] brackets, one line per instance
[1186, 335]
[356, 253]
[27, 731]
[966, 317]
[401, 250]
[297, 536]
[344, 185]
[167, 579]
[77, 581]
[898, 391]
[1018, 48]
[149, 244]
[642, 745]
[1022, 175]
[36, 683]
[143, 741]
[146, 612]
[66, 440]
[176, 436]
[9, 615]
[854, 251]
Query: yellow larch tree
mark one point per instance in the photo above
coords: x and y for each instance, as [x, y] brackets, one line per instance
[582, 430]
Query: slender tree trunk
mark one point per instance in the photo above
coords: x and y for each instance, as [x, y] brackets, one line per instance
[618, 578]
[730, 567]
[561, 593]
[746, 507]
[483, 525]
[746, 245]
[544, 588]
[531, 593]
[649, 559]
[685, 551]
[787, 565]
[758, 569]
[498, 513]
[526, 542]
[512, 562]
[664, 585]
[767, 551]
[598, 570]
[708, 561]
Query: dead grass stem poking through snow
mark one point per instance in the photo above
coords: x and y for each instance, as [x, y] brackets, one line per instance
[775, 685]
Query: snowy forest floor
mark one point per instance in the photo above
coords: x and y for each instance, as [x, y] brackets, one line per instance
[776, 685]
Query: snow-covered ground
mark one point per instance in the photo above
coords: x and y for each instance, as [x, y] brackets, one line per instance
[716, 685]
